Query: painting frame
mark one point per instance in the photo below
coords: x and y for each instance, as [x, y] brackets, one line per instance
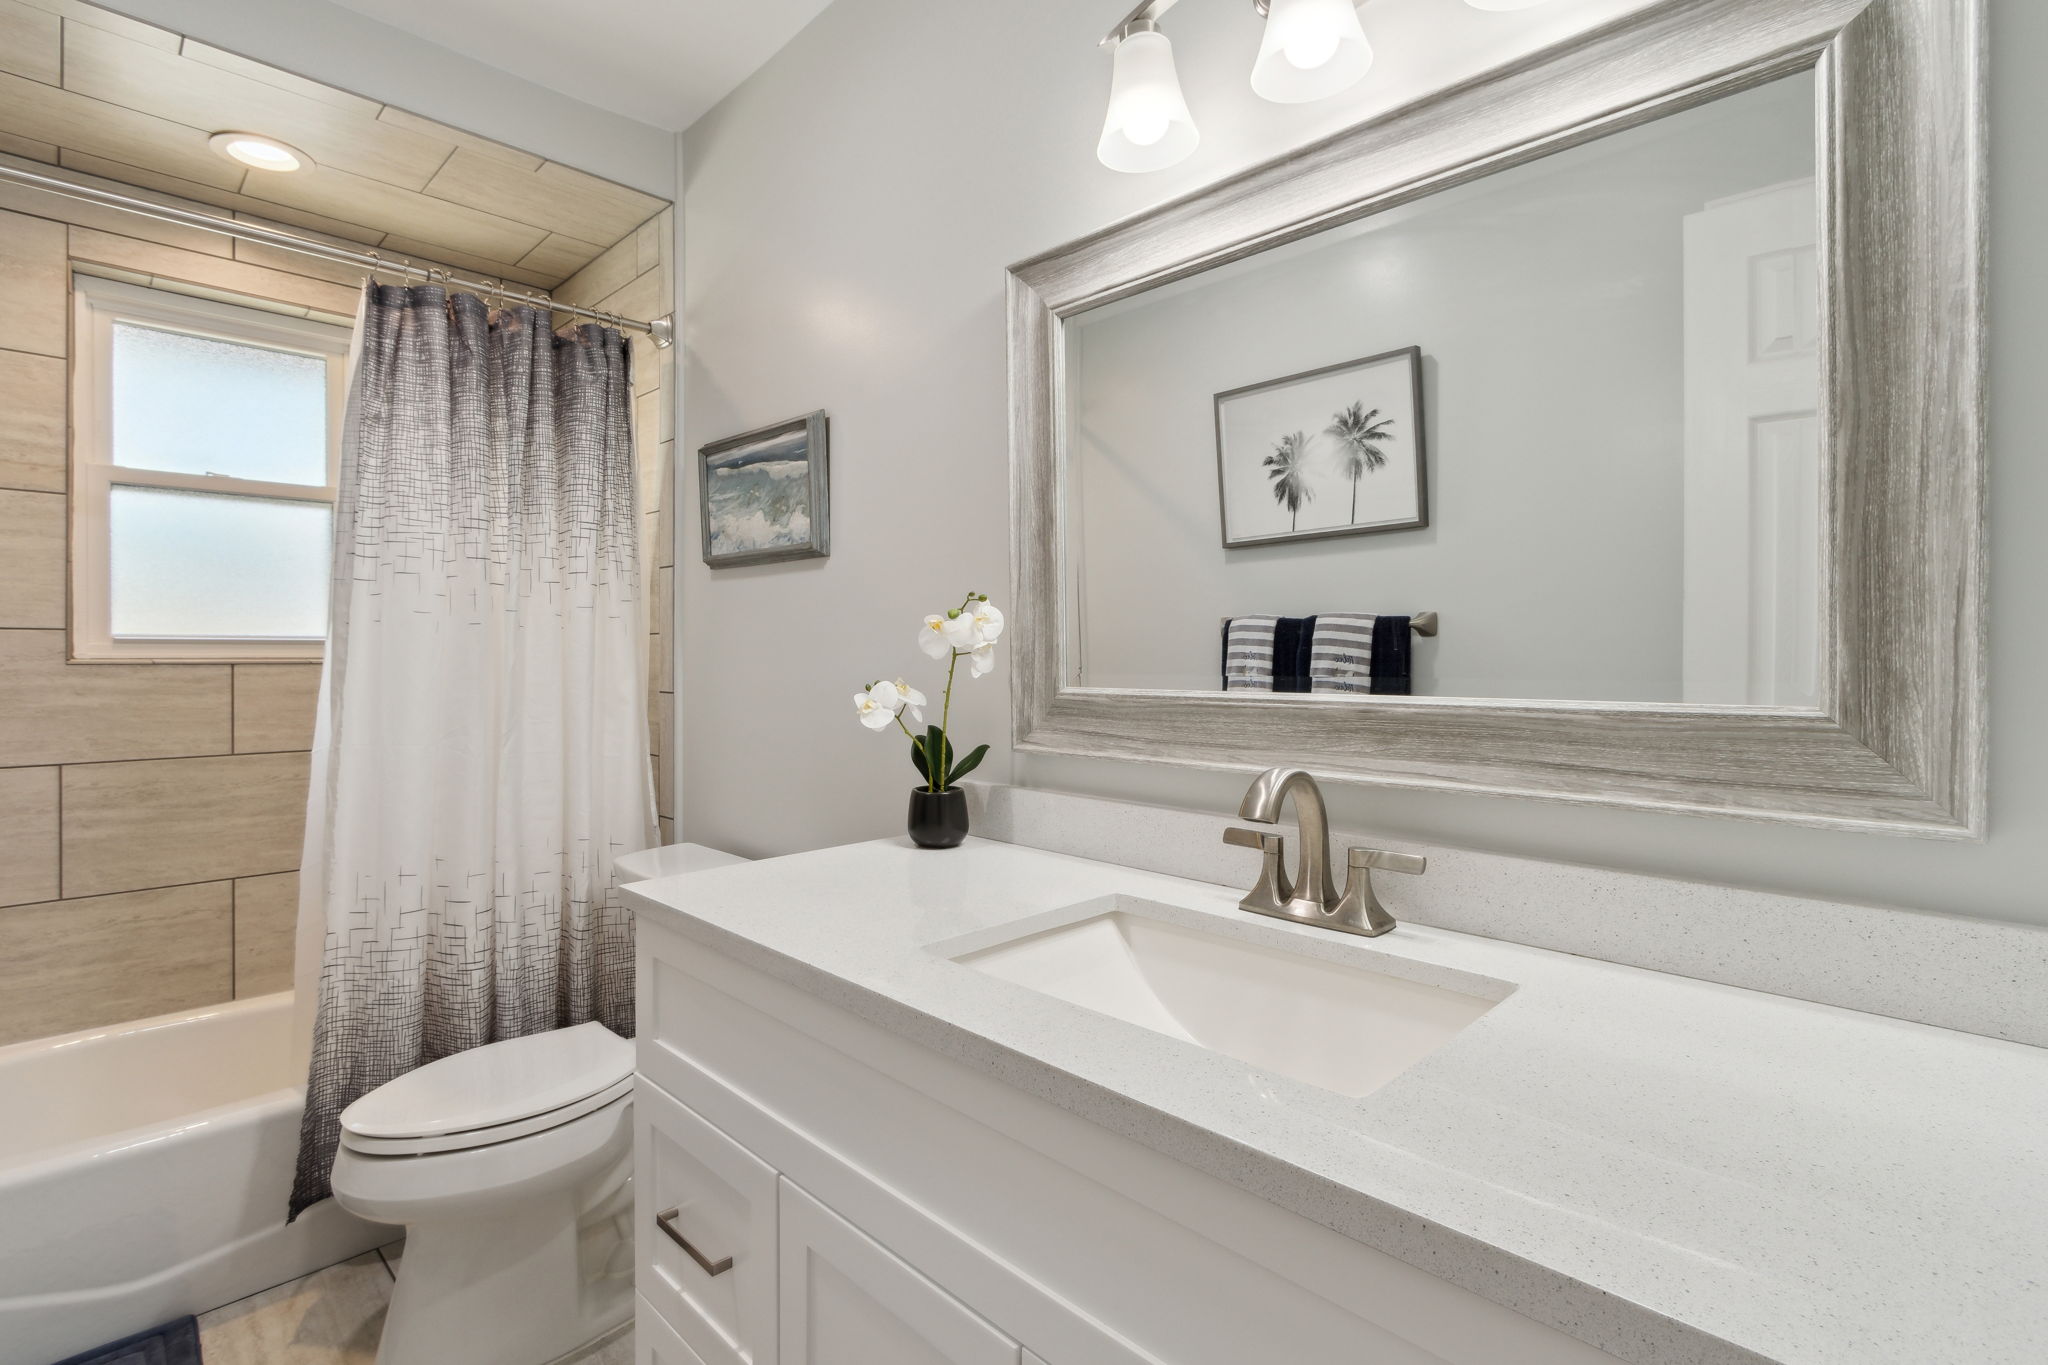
[814, 429]
[1412, 391]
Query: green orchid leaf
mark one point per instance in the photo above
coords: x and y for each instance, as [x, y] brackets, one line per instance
[968, 764]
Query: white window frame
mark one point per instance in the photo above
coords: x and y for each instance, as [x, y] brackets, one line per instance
[98, 305]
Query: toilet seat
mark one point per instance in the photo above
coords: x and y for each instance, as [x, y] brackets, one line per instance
[484, 1137]
[492, 1093]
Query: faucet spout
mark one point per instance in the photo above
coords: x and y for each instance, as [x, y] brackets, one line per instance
[1314, 892]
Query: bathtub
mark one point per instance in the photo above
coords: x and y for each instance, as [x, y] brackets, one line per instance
[143, 1175]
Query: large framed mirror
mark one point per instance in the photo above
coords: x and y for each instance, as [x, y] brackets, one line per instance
[1608, 429]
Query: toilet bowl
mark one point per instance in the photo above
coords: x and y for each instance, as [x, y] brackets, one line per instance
[510, 1168]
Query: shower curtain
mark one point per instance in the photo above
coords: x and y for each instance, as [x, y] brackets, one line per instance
[481, 753]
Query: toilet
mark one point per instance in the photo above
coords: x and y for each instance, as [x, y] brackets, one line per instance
[510, 1167]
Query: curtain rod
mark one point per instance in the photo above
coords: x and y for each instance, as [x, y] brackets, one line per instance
[661, 329]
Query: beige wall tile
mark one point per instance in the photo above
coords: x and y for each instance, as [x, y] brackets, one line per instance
[29, 42]
[217, 197]
[337, 193]
[555, 197]
[668, 830]
[274, 706]
[346, 101]
[28, 833]
[31, 558]
[34, 413]
[33, 287]
[71, 120]
[81, 12]
[560, 256]
[266, 933]
[107, 959]
[338, 131]
[606, 275]
[159, 823]
[28, 147]
[213, 271]
[56, 712]
[469, 142]
[419, 252]
[662, 725]
[21, 199]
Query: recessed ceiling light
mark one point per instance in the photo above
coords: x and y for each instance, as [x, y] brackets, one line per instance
[259, 152]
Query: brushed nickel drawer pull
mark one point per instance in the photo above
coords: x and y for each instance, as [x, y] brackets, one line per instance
[666, 1221]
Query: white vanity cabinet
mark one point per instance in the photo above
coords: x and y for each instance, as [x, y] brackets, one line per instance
[883, 1204]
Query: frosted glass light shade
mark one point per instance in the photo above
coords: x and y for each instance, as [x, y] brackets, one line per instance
[1311, 49]
[1148, 127]
[1502, 6]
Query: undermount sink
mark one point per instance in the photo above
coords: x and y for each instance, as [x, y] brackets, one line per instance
[1345, 1028]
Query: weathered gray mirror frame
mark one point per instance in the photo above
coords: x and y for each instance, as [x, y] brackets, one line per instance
[1898, 742]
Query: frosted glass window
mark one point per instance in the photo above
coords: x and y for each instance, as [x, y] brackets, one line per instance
[202, 565]
[194, 405]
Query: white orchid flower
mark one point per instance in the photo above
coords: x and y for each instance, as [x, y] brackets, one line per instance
[931, 638]
[878, 705]
[981, 659]
[988, 622]
[959, 631]
[912, 700]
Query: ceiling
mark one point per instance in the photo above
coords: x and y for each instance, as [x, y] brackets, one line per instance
[662, 62]
[100, 93]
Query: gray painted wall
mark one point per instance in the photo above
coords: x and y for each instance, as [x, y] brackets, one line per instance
[848, 213]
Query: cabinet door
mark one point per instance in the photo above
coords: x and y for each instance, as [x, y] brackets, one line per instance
[847, 1301]
[705, 1211]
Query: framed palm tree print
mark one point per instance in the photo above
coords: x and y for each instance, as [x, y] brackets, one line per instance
[1335, 451]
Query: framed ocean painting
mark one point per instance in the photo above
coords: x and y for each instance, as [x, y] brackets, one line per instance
[1336, 451]
[766, 495]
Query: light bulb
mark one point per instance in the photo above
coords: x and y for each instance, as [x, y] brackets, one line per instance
[1148, 126]
[1145, 127]
[1311, 49]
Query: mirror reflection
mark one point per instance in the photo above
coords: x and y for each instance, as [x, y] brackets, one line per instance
[1564, 416]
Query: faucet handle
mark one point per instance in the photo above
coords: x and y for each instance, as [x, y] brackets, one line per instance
[1386, 862]
[1275, 888]
[1360, 911]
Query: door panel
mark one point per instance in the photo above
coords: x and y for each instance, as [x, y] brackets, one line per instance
[847, 1301]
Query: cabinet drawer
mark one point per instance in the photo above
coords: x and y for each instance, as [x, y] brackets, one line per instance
[847, 1300]
[704, 1212]
[655, 1342]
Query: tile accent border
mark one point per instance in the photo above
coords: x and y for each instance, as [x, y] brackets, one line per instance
[1976, 976]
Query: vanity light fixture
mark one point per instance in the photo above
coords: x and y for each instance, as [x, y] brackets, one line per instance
[259, 152]
[1312, 48]
[1148, 127]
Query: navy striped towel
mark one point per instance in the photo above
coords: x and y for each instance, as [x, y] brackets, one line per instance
[1340, 654]
[1248, 653]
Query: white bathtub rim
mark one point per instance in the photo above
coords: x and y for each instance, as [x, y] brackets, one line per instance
[40, 1162]
[100, 1032]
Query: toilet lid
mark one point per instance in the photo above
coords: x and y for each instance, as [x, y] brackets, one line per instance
[494, 1085]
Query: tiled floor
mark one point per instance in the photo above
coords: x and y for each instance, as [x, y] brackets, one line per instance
[332, 1317]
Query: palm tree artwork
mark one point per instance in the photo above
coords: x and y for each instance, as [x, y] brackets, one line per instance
[1359, 434]
[1288, 470]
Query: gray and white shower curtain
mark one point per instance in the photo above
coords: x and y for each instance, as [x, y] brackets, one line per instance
[482, 749]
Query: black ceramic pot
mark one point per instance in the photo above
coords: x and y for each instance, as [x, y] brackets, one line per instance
[938, 819]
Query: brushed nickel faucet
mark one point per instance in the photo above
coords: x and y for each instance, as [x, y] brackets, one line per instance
[1308, 896]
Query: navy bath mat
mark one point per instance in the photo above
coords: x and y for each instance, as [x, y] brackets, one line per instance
[174, 1343]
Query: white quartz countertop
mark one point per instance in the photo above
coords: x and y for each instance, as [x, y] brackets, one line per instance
[1672, 1170]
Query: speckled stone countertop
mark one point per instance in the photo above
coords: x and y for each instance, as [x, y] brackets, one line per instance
[1672, 1170]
